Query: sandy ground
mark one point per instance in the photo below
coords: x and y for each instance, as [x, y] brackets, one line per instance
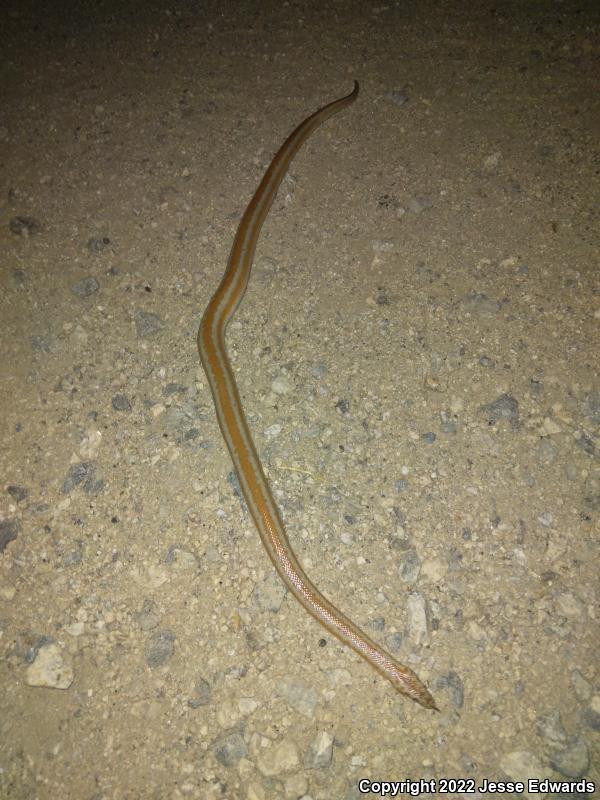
[418, 358]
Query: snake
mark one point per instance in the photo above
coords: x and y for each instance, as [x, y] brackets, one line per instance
[236, 432]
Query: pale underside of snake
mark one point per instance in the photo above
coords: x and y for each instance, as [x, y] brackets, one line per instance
[234, 427]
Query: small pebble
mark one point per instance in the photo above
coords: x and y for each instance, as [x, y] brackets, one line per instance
[230, 749]
[398, 97]
[50, 668]
[320, 751]
[24, 226]
[148, 324]
[85, 287]
[18, 493]
[572, 759]
[278, 759]
[159, 648]
[202, 694]
[453, 683]
[503, 408]
[299, 697]
[418, 624]
[520, 765]
[120, 402]
[9, 530]
[96, 244]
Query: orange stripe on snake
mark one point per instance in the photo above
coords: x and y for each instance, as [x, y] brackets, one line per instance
[234, 427]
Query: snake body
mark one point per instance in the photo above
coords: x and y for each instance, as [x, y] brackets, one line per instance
[234, 427]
